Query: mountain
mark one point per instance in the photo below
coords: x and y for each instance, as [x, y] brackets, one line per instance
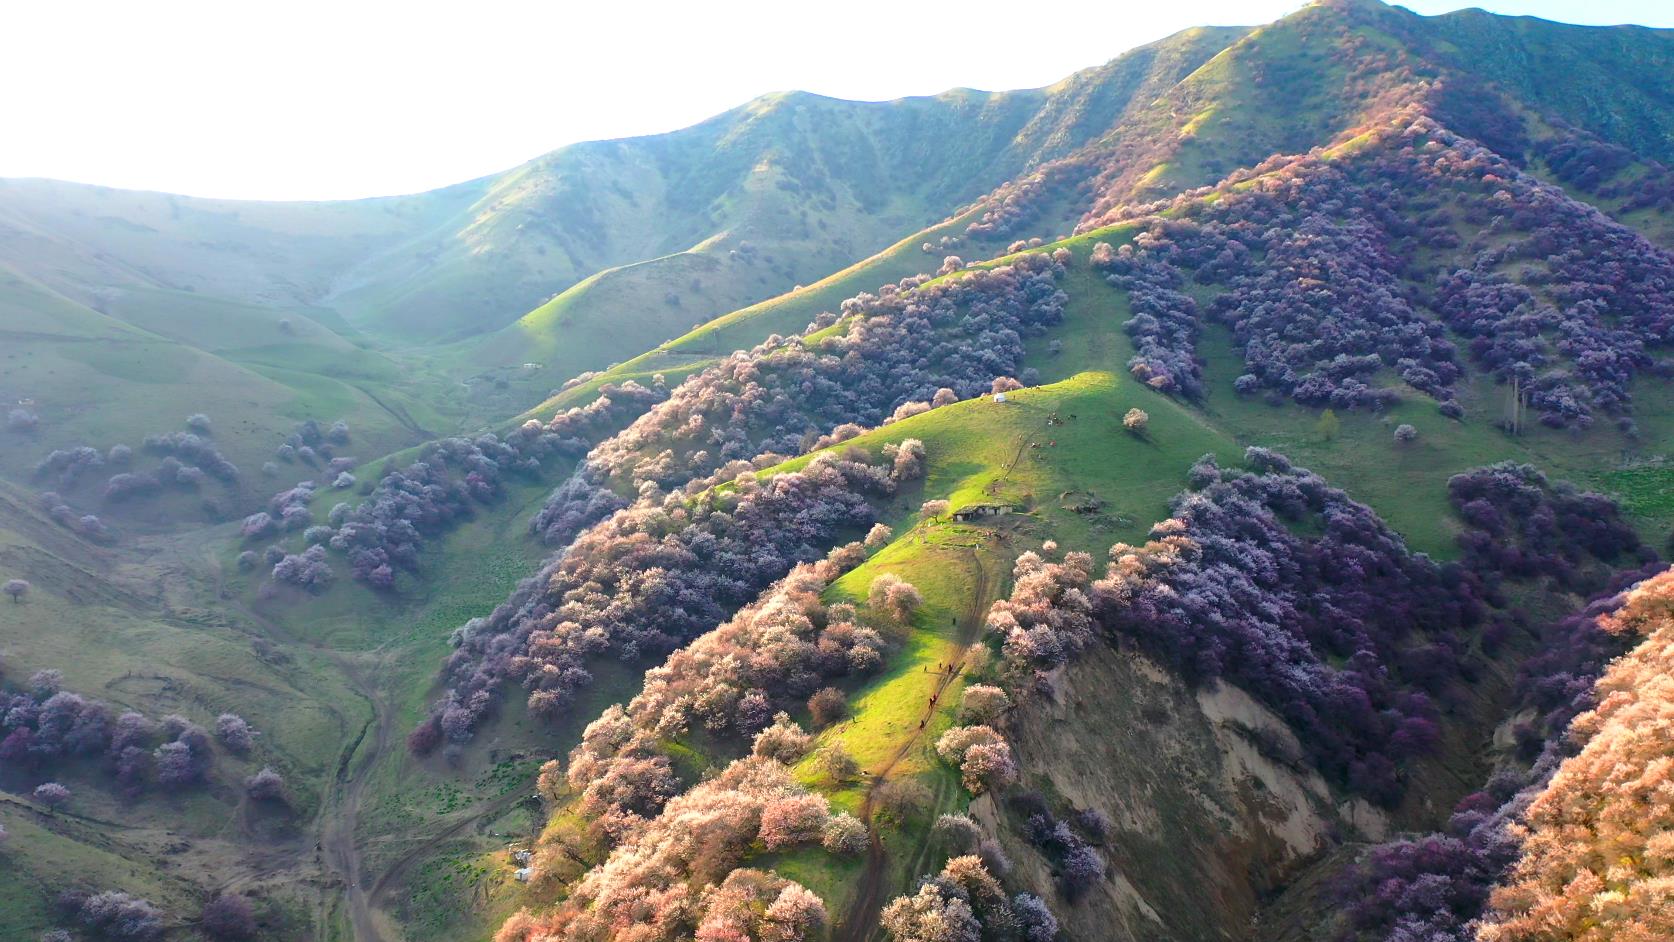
[1252, 531]
[784, 188]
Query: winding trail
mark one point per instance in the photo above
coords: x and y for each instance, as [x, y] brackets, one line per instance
[486, 811]
[860, 923]
[339, 814]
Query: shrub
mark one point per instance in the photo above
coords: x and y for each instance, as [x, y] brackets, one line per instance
[930, 915]
[21, 420]
[793, 820]
[983, 703]
[984, 759]
[844, 834]
[234, 733]
[828, 705]
[894, 596]
[958, 832]
[230, 916]
[52, 794]
[836, 762]
[266, 785]
[120, 917]
[784, 741]
[307, 569]
[257, 526]
[901, 798]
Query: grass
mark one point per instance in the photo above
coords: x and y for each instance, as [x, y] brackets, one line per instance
[97, 380]
[1407, 484]
[99, 618]
[786, 313]
[1056, 453]
[148, 624]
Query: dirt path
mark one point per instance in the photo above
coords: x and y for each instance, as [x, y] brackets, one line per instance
[339, 814]
[860, 923]
[487, 811]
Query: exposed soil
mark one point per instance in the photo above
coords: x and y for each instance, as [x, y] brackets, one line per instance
[860, 923]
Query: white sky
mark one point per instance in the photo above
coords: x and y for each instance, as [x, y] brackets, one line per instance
[317, 100]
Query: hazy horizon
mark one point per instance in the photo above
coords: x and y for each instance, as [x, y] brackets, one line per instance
[214, 101]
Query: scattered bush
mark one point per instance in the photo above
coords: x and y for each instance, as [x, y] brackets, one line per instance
[234, 733]
[230, 917]
[828, 705]
[844, 834]
[52, 794]
[266, 785]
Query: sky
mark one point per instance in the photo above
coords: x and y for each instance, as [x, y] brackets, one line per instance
[303, 99]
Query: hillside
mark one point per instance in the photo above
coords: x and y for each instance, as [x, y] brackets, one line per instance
[1225, 544]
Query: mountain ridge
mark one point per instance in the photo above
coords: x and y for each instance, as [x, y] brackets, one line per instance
[1333, 412]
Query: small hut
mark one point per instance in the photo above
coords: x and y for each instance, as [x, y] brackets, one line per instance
[973, 512]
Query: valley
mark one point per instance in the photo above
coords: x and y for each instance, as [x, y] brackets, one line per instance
[1193, 500]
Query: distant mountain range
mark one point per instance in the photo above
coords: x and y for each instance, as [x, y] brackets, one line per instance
[1247, 441]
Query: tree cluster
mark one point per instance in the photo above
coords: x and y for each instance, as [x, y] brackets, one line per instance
[680, 874]
[903, 344]
[1435, 886]
[771, 655]
[45, 725]
[1071, 849]
[1519, 525]
[1597, 842]
[387, 531]
[1321, 268]
[652, 577]
[1343, 631]
[965, 903]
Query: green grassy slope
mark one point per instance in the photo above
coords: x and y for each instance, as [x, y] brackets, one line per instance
[83, 240]
[1613, 80]
[147, 632]
[100, 380]
[155, 343]
[791, 227]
